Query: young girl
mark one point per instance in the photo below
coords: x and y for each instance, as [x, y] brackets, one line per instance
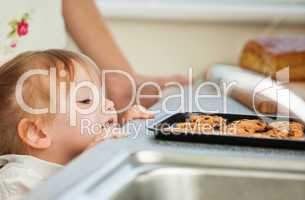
[37, 25]
[33, 146]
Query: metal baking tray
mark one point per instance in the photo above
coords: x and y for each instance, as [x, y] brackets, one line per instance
[182, 136]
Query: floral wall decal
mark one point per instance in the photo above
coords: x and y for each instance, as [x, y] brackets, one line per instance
[19, 28]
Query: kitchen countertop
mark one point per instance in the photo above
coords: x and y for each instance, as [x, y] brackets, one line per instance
[102, 155]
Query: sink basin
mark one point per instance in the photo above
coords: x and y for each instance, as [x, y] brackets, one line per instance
[153, 175]
[185, 184]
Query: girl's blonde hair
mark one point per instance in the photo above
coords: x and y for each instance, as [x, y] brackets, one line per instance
[35, 90]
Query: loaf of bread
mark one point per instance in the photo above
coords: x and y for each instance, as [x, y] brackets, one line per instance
[268, 55]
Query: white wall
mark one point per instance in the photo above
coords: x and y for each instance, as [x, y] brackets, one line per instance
[163, 47]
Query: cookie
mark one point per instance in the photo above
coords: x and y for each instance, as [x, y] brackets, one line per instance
[244, 127]
[276, 133]
[247, 127]
[185, 125]
[285, 129]
[205, 120]
[194, 126]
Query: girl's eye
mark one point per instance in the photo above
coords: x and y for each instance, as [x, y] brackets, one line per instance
[85, 101]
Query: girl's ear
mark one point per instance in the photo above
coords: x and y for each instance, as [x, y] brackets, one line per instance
[31, 133]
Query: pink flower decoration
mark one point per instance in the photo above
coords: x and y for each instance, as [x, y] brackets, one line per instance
[13, 45]
[23, 28]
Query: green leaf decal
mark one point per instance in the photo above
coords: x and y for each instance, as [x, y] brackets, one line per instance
[12, 34]
[13, 23]
[26, 16]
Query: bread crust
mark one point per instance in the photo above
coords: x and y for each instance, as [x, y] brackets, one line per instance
[268, 55]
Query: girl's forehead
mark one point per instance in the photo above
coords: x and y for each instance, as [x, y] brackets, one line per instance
[86, 72]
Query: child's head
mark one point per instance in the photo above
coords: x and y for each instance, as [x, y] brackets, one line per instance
[48, 136]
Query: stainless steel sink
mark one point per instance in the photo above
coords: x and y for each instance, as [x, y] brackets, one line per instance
[179, 183]
[163, 176]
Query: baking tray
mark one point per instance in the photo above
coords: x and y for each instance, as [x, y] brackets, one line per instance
[224, 139]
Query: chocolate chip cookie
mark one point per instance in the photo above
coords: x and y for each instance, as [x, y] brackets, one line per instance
[285, 129]
[247, 127]
[214, 121]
